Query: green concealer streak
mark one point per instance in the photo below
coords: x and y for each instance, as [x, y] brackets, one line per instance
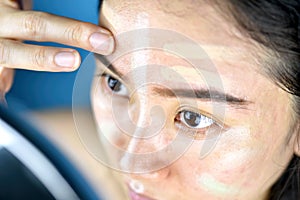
[212, 185]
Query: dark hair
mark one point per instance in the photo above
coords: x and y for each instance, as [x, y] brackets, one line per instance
[275, 24]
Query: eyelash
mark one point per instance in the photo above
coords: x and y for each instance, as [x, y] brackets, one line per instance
[210, 130]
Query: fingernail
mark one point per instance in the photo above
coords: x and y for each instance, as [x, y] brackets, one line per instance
[102, 43]
[65, 59]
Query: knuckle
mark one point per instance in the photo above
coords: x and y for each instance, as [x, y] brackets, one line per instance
[34, 23]
[38, 58]
[4, 53]
[75, 33]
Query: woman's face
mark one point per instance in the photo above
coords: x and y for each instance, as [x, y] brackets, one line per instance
[243, 137]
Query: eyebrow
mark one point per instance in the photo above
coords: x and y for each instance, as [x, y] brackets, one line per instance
[108, 64]
[203, 94]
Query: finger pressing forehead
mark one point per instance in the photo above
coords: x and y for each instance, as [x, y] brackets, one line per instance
[39, 26]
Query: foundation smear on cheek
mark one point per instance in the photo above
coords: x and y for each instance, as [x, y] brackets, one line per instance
[210, 184]
[242, 148]
[235, 158]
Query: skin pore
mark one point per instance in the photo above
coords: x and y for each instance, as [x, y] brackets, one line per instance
[251, 152]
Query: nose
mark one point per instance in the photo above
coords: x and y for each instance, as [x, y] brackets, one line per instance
[142, 118]
[155, 175]
[136, 179]
[149, 141]
[147, 156]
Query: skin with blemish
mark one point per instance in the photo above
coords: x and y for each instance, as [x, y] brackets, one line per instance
[251, 150]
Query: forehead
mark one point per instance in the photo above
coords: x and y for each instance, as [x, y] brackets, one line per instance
[200, 20]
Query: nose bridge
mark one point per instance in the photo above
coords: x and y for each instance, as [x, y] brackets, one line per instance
[149, 139]
[142, 138]
[140, 109]
[147, 116]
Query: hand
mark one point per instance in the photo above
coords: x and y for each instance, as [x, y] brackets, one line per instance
[17, 25]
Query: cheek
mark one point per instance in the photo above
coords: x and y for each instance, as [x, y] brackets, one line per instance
[271, 126]
[212, 185]
[272, 119]
[236, 161]
[236, 154]
[108, 130]
[234, 170]
[227, 169]
[229, 174]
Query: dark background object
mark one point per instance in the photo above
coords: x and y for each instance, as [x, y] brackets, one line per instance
[33, 168]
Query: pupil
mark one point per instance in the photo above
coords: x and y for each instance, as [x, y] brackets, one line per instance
[114, 84]
[191, 118]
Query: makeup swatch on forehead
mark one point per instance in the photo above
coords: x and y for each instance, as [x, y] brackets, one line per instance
[139, 59]
[206, 51]
[185, 50]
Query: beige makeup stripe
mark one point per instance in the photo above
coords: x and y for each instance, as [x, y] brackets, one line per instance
[208, 182]
[202, 51]
[138, 59]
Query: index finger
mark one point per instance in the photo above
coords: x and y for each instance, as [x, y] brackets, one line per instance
[40, 26]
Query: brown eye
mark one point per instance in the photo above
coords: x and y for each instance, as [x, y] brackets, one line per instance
[195, 120]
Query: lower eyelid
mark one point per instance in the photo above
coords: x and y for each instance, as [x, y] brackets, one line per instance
[214, 130]
[193, 133]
